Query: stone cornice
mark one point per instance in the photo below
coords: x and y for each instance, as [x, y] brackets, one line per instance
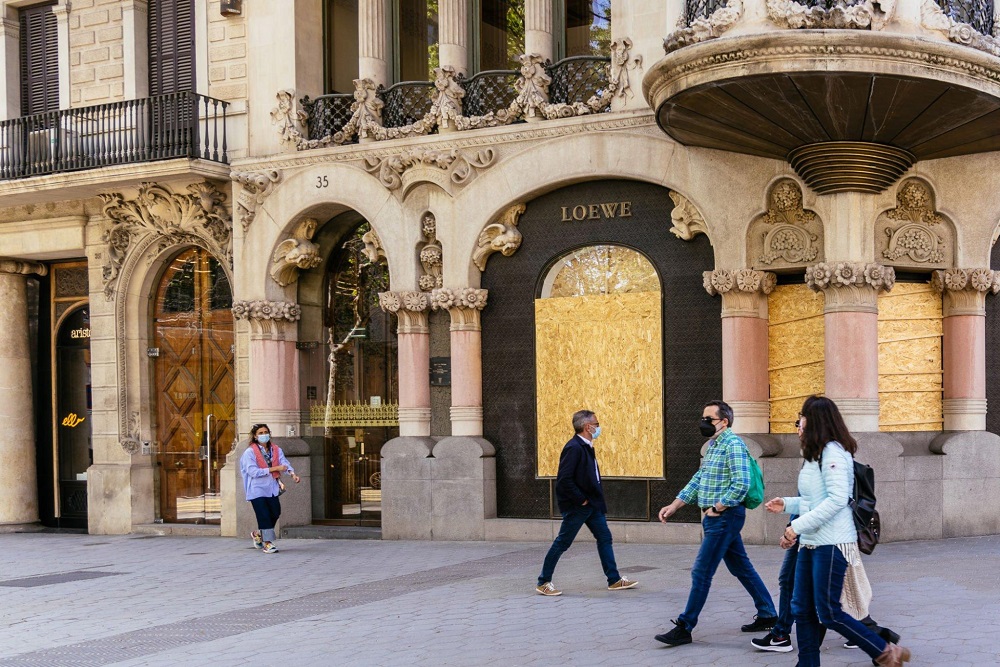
[965, 290]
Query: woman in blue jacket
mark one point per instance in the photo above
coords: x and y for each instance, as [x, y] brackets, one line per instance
[827, 537]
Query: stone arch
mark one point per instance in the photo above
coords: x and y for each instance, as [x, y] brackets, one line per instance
[606, 155]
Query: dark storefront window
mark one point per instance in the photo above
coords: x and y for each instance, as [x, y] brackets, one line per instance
[340, 45]
[501, 34]
[588, 27]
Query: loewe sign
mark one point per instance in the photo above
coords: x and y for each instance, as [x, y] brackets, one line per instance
[618, 209]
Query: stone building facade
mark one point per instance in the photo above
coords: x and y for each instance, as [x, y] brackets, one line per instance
[413, 238]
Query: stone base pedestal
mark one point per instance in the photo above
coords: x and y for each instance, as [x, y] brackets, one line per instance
[964, 414]
[751, 416]
[238, 518]
[119, 495]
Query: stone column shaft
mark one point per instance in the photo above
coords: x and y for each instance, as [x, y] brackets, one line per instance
[538, 28]
[414, 359]
[463, 305]
[372, 62]
[454, 27]
[19, 499]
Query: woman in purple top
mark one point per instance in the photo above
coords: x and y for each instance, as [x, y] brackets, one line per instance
[261, 465]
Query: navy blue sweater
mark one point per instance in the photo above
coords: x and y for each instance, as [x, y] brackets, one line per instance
[577, 478]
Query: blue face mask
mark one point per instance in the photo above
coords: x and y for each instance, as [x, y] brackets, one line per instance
[597, 433]
[264, 438]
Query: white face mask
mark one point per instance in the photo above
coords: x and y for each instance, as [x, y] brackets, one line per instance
[597, 433]
[264, 438]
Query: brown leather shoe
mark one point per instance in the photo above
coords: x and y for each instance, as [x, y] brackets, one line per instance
[893, 656]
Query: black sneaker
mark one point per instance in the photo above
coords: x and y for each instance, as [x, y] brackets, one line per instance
[888, 635]
[679, 635]
[773, 642]
[760, 624]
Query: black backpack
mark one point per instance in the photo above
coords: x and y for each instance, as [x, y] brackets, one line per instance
[862, 504]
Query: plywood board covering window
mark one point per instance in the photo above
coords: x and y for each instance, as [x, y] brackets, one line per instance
[795, 334]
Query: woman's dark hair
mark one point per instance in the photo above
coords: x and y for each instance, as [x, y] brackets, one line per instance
[824, 424]
[255, 428]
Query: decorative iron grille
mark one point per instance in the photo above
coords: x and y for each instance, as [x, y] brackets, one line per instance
[489, 91]
[578, 78]
[406, 102]
[695, 9]
[327, 113]
[977, 13]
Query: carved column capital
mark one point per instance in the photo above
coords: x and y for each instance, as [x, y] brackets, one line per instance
[965, 290]
[268, 319]
[744, 291]
[463, 304]
[850, 286]
[409, 307]
[22, 267]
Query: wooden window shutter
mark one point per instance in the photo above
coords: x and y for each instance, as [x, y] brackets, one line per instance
[171, 46]
[39, 45]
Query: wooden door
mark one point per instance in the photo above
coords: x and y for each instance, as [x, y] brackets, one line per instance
[194, 388]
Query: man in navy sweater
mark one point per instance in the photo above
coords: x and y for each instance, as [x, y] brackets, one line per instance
[581, 501]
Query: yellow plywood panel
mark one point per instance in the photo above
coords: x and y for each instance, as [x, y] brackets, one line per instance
[601, 353]
[795, 351]
[909, 359]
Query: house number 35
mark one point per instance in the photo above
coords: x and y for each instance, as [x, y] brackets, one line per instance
[322, 182]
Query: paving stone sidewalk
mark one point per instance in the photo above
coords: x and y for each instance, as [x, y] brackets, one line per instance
[68, 600]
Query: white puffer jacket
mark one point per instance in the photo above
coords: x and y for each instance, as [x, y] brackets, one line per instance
[824, 515]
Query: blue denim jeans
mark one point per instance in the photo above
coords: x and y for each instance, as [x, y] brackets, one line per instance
[572, 522]
[722, 542]
[786, 584]
[819, 581]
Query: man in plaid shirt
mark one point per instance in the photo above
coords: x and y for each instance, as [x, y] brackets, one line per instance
[718, 488]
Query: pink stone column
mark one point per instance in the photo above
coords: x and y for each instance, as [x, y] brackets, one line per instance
[964, 345]
[744, 344]
[464, 305]
[414, 359]
[274, 372]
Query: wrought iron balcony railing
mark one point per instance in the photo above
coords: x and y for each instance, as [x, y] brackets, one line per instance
[154, 128]
[488, 91]
[578, 78]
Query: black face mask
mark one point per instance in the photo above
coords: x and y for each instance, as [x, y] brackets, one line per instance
[706, 427]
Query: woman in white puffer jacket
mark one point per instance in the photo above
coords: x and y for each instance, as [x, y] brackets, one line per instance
[827, 537]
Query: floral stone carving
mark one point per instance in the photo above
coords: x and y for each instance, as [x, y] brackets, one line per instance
[847, 274]
[965, 290]
[787, 235]
[721, 281]
[256, 188]
[933, 17]
[501, 236]
[459, 166]
[167, 218]
[288, 118]
[913, 233]
[431, 255]
[262, 309]
[702, 29]
[295, 254]
[870, 14]
[686, 221]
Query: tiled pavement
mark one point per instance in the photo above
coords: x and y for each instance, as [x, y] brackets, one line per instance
[84, 600]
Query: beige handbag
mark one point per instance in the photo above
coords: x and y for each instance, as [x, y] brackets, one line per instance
[857, 592]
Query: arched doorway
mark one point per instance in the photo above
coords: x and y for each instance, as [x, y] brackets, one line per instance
[362, 388]
[193, 390]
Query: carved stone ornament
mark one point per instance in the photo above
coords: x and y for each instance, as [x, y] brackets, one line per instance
[256, 186]
[463, 304]
[22, 267]
[965, 290]
[132, 442]
[373, 249]
[288, 119]
[501, 236]
[721, 281]
[169, 218]
[702, 29]
[913, 233]
[296, 254]
[410, 309]
[459, 166]
[871, 14]
[261, 309]
[850, 286]
[622, 63]
[933, 17]
[787, 235]
[431, 255]
[686, 221]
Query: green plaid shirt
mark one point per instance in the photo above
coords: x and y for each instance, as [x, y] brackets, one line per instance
[724, 475]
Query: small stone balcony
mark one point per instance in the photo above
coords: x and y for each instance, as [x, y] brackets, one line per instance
[850, 93]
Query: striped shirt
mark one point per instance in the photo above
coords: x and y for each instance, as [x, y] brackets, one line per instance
[724, 475]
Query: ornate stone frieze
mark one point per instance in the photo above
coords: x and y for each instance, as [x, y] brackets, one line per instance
[131, 442]
[167, 218]
[686, 220]
[288, 118]
[913, 233]
[743, 291]
[22, 267]
[870, 14]
[702, 29]
[256, 186]
[463, 304]
[458, 165]
[501, 236]
[965, 290]
[431, 255]
[622, 62]
[409, 307]
[850, 286]
[296, 254]
[933, 17]
[787, 235]
[373, 249]
[262, 309]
